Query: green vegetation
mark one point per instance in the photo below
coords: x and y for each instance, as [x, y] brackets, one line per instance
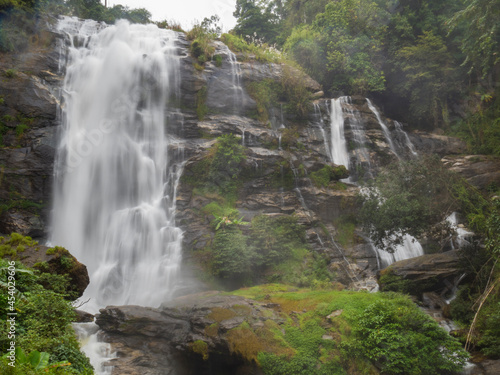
[10, 73]
[43, 323]
[423, 55]
[412, 196]
[225, 166]
[202, 35]
[260, 51]
[290, 89]
[326, 175]
[329, 332]
[273, 249]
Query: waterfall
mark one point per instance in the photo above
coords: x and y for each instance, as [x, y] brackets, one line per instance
[384, 127]
[338, 145]
[410, 248]
[238, 97]
[402, 134]
[462, 234]
[115, 182]
[361, 166]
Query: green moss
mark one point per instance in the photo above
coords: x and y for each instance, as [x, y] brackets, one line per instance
[200, 347]
[57, 250]
[366, 327]
[218, 60]
[10, 73]
[327, 174]
[20, 129]
[346, 226]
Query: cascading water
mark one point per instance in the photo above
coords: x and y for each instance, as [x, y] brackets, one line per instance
[338, 145]
[410, 248]
[462, 235]
[402, 134]
[384, 127]
[115, 181]
[114, 194]
[361, 165]
[238, 96]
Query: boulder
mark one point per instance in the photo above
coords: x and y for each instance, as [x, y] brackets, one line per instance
[479, 170]
[54, 260]
[428, 273]
[188, 335]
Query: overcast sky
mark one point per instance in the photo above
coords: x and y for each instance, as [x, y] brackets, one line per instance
[185, 11]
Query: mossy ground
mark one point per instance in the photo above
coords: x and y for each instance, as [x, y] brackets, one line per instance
[330, 332]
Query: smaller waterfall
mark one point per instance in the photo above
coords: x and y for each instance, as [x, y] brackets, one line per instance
[384, 127]
[462, 234]
[402, 134]
[361, 165]
[98, 352]
[282, 124]
[238, 96]
[410, 248]
[338, 151]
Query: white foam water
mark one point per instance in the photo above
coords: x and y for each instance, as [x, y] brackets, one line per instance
[115, 181]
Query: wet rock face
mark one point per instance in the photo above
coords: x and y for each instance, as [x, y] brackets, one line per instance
[189, 335]
[29, 107]
[481, 171]
[428, 273]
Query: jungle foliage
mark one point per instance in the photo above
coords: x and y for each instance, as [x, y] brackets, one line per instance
[45, 341]
[419, 57]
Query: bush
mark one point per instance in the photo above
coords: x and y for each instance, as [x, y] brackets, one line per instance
[275, 238]
[327, 174]
[10, 73]
[225, 166]
[231, 257]
[44, 320]
[400, 338]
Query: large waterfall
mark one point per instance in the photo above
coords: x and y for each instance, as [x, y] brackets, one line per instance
[114, 199]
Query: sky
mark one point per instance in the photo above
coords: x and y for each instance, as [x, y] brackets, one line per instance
[186, 12]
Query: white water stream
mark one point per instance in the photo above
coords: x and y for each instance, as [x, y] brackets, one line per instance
[115, 182]
[338, 145]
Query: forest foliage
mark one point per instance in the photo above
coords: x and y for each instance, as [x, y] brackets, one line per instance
[420, 58]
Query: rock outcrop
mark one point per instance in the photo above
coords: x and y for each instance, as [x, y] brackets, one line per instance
[481, 171]
[190, 335]
[428, 273]
[29, 105]
[56, 260]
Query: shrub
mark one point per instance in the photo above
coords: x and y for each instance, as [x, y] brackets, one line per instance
[231, 257]
[225, 166]
[402, 339]
[10, 73]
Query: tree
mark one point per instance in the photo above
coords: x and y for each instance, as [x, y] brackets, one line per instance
[257, 20]
[353, 31]
[480, 23]
[429, 78]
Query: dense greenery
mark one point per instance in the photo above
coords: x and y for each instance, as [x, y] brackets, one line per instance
[271, 249]
[416, 55]
[329, 332]
[411, 197]
[43, 321]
